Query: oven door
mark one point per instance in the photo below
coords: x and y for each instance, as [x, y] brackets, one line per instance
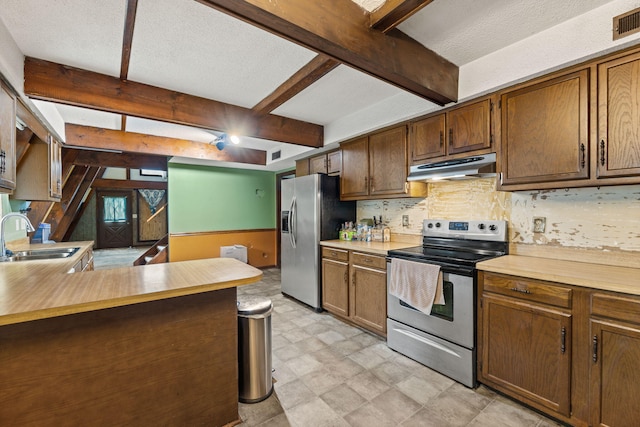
[453, 321]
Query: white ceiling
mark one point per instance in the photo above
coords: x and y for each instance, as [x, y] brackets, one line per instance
[184, 46]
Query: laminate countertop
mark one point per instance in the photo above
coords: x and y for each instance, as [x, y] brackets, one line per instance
[585, 274]
[31, 290]
[378, 248]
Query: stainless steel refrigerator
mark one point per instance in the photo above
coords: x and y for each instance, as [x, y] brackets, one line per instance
[311, 211]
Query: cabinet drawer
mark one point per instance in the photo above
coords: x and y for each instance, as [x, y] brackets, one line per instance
[531, 290]
[617, 307]
[335, 254]
[368, 260]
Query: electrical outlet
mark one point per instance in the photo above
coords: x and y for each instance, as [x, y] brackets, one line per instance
[405, 220]
[539, 224]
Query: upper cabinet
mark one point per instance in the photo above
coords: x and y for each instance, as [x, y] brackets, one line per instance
[545, 130]
[376, 166]
[7, 140]
[575, 128]
[618, 151]
[40, 172]
[329, 163]
[464, 129]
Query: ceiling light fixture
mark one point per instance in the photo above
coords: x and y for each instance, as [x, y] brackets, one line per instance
[224, 139]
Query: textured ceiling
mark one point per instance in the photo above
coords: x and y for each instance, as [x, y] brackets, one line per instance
[184, 46]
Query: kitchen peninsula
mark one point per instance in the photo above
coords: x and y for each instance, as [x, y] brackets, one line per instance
[146, 345]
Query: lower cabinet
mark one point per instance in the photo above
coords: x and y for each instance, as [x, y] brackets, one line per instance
[567, 351]
[614, 374]
[85, 263]
[354, 287]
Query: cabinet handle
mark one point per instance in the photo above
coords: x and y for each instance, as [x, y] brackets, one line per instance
[334, 253]
[328, 164]
[3, 161]
[441, 139]
[595, 348]
[583, 149]
[353, 279]
[346, 277]
[522, 291]
[602, 152]
[563, 339]
[450, 137]
[367, 260]
[371, 185]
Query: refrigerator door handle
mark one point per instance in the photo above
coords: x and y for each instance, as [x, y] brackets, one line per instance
[292, 222]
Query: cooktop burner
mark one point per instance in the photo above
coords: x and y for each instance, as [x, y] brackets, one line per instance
[457, 243]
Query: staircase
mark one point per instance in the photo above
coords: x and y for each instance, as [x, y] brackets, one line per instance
[156, 254]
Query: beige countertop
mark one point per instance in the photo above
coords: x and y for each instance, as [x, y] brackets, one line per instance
[378, 248]
[585, 274]
[31, 290]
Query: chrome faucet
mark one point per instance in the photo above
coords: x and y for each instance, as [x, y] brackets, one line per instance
[3, 246]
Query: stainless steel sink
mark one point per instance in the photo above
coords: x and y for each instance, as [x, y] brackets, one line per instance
[42, 254]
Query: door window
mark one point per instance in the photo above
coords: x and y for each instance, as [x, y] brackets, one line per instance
[115, 209]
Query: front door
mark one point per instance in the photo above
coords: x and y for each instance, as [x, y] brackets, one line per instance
[114, 219]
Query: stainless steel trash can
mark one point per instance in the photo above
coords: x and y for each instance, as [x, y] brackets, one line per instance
[254, 348]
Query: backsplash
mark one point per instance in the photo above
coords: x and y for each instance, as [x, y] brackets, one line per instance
[602, 218]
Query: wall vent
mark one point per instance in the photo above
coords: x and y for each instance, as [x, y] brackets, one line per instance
[276, 155]
[626, 24]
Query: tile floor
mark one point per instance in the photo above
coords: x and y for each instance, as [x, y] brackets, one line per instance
[329, 373]
[116, 257]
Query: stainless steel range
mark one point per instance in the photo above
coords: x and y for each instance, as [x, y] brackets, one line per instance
[445, 339]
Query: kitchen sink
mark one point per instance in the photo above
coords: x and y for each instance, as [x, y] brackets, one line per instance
[42, 254]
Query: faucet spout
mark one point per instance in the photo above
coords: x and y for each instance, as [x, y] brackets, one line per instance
[3, 246]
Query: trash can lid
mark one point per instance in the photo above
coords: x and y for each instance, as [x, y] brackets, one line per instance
[253, 304]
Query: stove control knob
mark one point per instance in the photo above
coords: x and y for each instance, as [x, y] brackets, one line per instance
[493, 227]
[481, 226]
[438, 225]
[430, 225]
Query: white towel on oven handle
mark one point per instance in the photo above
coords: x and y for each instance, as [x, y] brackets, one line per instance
[416, 283]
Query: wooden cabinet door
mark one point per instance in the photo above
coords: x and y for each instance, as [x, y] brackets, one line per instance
[354, 178]
[55, 171]
[368, 305]
[426, 138]
[318, 164]
[615, 378]
[302, 167]
[334, 162]
[527, 351]
[388, 162]
[619, 117]
[335, 287]
[545, 131]
[7, 140]
[469, 127]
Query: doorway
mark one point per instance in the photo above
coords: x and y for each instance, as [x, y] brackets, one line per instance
[113, 216]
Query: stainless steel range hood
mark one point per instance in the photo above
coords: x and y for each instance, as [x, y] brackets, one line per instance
[480, 166]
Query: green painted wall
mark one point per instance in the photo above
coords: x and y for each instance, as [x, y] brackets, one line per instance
[205, 198]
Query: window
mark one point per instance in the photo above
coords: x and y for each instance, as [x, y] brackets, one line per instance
[115, 209]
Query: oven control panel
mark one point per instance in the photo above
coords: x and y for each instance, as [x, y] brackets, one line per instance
[473, 229]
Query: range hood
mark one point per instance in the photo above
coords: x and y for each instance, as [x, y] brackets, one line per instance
[480, 166]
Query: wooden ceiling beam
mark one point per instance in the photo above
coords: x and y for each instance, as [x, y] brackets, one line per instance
[393, 12]
[49, 81]
[119, 160]
[91, 137]
[302, 79]
[341, 30]
[127, 38]
[128, 184]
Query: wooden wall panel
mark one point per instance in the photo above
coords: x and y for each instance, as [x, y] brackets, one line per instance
[261, 245]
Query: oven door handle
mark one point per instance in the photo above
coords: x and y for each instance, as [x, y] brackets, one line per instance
[427, 342]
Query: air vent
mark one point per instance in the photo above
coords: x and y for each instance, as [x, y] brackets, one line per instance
[626, 24]
[276, 155]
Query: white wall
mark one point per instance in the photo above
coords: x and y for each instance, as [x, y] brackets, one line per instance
[11, 60]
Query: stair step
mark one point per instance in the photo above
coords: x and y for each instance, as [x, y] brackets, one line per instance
[148, 259]
[161, 248]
